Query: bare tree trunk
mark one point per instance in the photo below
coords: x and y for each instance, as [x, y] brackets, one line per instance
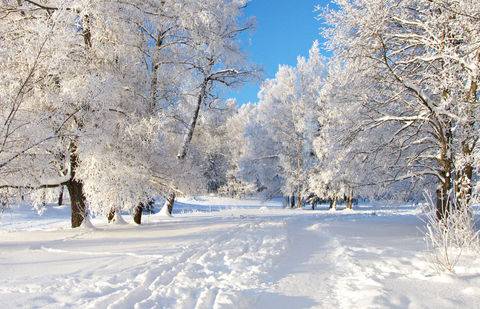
[191, 128]
[442, 202]
[60, 196]
[333, 203]
[44, 198]
[299, 200]
[77, 200]
[445, 183]
[444, 190]
[155, 66]
[75, 190]
[137, 213]
[349, 200]
[292, 200]
[464, 176]
[111, 214]
[170, 202]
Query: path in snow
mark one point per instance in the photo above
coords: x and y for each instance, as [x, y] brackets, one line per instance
[256, 257]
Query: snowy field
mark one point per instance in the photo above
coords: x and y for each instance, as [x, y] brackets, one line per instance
[221, 253]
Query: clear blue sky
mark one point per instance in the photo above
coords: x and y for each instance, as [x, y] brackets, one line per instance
[284, 30]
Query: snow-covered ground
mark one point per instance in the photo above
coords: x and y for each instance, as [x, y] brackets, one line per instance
[224, 253]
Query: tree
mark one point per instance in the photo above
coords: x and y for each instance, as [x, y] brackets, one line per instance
[102, 90]
[216, 59]
[414, 60]
[281, 147]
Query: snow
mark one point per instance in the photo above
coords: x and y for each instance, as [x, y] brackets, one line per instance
[227, 253]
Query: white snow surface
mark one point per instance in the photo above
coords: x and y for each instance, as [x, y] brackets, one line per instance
[227, 253]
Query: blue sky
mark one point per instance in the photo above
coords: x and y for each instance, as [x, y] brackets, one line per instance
[284, 30]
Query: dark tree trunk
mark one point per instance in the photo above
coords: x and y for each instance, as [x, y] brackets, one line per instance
[77, 201]
[44, 198]
[137, 213]
[443, 194]
[292, 201]
[333, 203]
[60, 196]
[349, 200]
[443, 201]
[191, 128]
[170, 202]
[445, 180]
[111, 214]
[75, 190]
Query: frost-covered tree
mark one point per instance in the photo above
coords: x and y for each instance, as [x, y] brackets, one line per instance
[353, 159]
[101, 92]
[282, 128]
[417, 65]
[216, 59]
[240, 171]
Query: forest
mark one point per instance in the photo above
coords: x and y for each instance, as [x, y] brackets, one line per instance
[119, 109]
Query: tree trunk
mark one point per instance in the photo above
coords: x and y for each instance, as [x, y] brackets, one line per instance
[292, 200]
[442, 204]
[333, 203]
[443, 193]
[74, 186]
[170, 202]
[155, 66]
[77, 201]
[60, 196]
[464, 176]
[299, 200]
[349, 200]
[137, 214]
[111, 214]
[191, 128]
[44, 198]
[75, 190]
[445, 179]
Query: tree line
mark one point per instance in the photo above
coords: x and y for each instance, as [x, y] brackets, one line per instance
[106, 98]
[121, 101]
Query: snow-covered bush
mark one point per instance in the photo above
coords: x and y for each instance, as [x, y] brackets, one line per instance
[452, 237]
